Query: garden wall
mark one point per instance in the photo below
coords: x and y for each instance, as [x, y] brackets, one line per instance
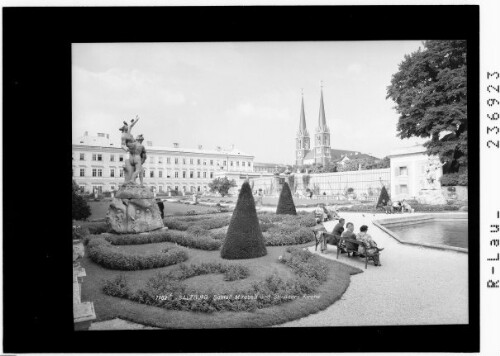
[365, 184]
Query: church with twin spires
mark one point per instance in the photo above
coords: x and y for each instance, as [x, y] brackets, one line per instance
[321, 154]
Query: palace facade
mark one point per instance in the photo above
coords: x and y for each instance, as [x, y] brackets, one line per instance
[98, 165]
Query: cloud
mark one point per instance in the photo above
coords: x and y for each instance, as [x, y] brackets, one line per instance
[354, 68]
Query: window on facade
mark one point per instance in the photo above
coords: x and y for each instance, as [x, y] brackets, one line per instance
[160, 174]
[191, 161]
[121, 173]
[211, 174]
[176, 175]
[112, 172]
[120, 158]
[199, 161]
[204, 174]
[168, 160]
[94, 157]
[160, 160]
[199, 174]
[94, 172]
[237, 163]
[204, 162]
[99, 157]
[232, 163]
[151, 174]
[403, 189]
[183, 161]
[199, 188]
[183, 174]
[99, 172]
[176, 188]
[191, 174]
[211, 162]
[249, 164]
[403, 171]
[160, 188]
[82, 188]
[112, 158]
[224, 163]
[176, 160]
[82, 156]
[243, 163]
[82, 172]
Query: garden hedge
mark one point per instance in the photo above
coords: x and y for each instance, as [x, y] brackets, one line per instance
[101, 252]
[244, 238]
[285, 202]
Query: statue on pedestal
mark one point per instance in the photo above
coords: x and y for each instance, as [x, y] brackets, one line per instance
[133, 208]
[432, 173]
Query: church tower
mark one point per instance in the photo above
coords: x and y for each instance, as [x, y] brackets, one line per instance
[303, 144]
[322, 136]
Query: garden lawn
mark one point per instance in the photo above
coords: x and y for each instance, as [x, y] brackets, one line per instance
[108, 307]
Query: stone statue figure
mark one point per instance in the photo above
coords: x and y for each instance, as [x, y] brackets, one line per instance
[133, 208]
[432, 172]
[137, 153]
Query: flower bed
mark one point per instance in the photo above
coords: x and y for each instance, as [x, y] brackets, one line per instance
[167, 290]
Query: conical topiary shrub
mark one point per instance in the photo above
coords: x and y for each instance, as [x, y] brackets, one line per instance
[244, 238]
[383, 196]
[285, 203]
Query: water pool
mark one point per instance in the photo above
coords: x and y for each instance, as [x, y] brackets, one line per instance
[436, 232]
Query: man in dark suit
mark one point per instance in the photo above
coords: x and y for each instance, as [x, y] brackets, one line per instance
[161, 206]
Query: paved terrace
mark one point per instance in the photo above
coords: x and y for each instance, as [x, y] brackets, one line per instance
[414, 286]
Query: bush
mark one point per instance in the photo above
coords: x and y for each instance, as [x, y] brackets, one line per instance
[451, 179]
[288, 235]
[285, 202]
[80, 209]
[244, 238]
[166, 289]
[384, 196]
[94, 227]
[101, 252]
[194, 240]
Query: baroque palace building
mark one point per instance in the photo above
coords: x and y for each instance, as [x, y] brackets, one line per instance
[98, 165]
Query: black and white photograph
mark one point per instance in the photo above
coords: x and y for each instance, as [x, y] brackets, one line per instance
[248, 179]
[229, 185]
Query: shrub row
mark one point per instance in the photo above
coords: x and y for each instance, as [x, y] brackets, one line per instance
[303, 219]
[198, 239]
[287, 235]
[93, 227]
[206, 222]
[101, 252]
[166, 289]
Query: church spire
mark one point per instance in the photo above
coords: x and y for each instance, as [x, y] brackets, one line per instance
[322, 117]
[302, 125]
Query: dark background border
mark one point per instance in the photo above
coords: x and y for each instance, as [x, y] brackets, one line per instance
[37, 164]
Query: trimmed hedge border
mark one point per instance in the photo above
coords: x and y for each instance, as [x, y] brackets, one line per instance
[101, 252]
[165, 290]
[182, 238]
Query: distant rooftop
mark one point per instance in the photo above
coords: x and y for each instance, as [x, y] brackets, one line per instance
[103, 140]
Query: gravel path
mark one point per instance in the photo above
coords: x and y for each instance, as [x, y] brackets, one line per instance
[414, 286]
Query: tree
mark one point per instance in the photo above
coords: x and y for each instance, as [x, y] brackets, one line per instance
[430, 92]
[285, 202]
[80, 208]
[383, 196]
[221, 185]
[244, 237]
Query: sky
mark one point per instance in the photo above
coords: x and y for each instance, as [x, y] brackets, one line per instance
[245, 94]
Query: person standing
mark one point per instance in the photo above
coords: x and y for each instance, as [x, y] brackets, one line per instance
[319, 232]
[161, 206]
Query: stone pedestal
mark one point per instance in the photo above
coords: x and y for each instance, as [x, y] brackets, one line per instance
[133, 210]
[431, 196]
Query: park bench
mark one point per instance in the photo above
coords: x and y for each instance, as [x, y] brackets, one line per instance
[353, 248]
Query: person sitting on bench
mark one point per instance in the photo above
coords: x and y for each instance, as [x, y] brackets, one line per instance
[349, 234]
[320, 213]
[397, 207]
[337, 232]
[369, 247]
